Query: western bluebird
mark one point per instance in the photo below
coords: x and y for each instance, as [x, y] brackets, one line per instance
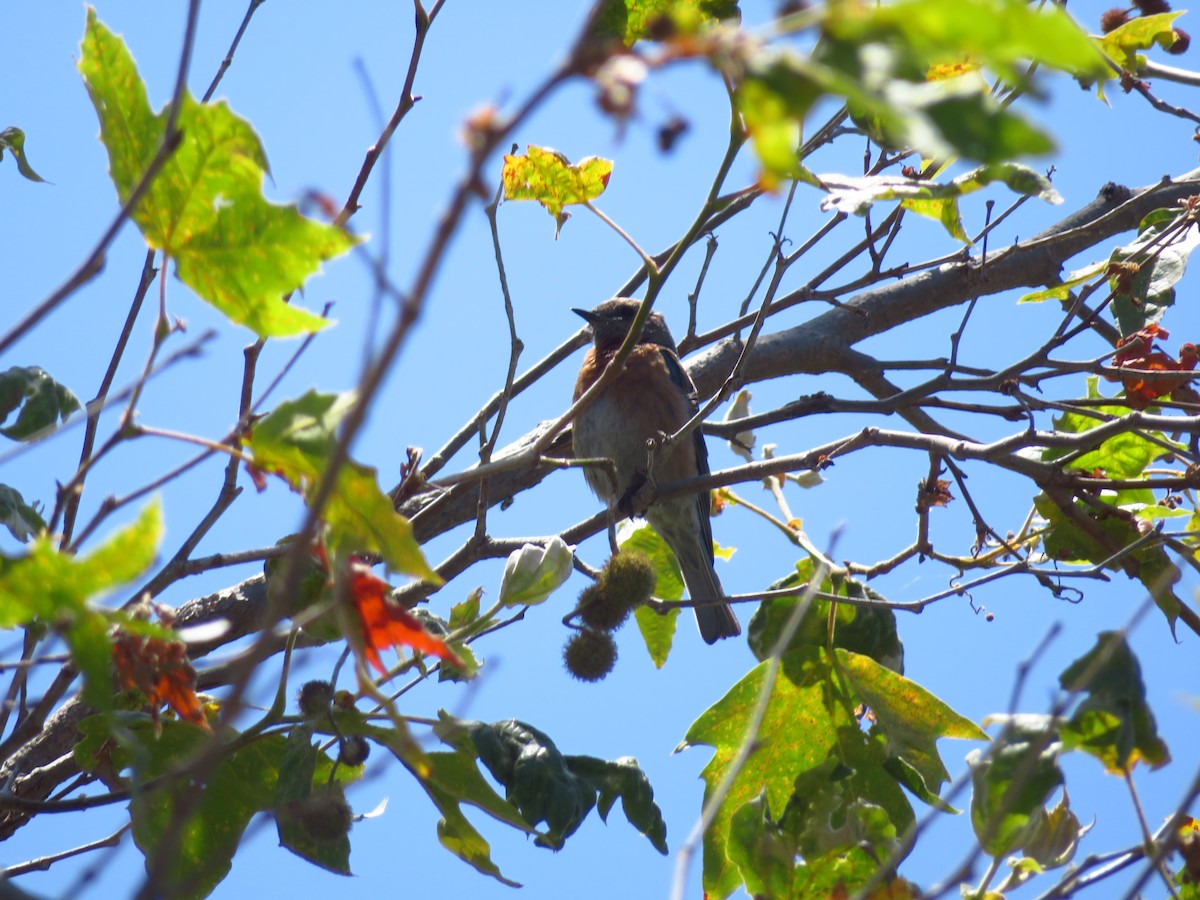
[652, 394]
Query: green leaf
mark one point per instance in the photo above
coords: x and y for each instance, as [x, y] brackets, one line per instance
[867, 630]
[657, 629]
[1066, 540]
[42, 402]
[764, 853]
[456, 833]
[53, 587]
[1114, 722]
[294, 792]
[1055, 836]
[297, 440]
[1159, 262]
[630, 20]
[548, 177]
[534, 572]
[12, 139]
[22, 520]
[243, 784]
[1062, 290]
[1012, 782]
[50, 585]
[467, 612]
[1124, 455]
[246, 781]
[855, 196]
[912, 718]
[205, 208]
[809, 720]
[623, 778]
[1002, 35]
[546, 786]
[1140, 33]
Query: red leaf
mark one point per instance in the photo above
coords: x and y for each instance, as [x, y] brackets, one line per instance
[161, 671]
[1137, 352]
[388, 624]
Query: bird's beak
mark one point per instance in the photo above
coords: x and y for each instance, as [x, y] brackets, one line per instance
[587, 315]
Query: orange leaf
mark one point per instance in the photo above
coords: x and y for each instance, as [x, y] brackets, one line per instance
[1137, 352]
[388, 624]
[161, 671]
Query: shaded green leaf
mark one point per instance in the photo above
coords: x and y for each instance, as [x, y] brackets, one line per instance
[1055, 836]
[12, 139]
[1012, 782]
[205, 208]
[1158, 259]
[1113, 723]
[867, 630]
[1066, 539]
[22, 520]
[546, 786]
[294, 801]
[42, 402]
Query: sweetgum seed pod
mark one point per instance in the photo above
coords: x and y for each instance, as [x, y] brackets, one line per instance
[629, 579]
[599, 611]
[314, 699]
[590, 655]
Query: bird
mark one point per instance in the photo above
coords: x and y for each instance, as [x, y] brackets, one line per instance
[651, 395]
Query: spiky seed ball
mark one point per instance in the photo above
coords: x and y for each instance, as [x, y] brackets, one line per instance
[353, 750]
[1152, 7]
[1183, 40]
[325, 816]
[598, 611]
[629, 579]
[1113, 19]
[315, 698]
[590, 655]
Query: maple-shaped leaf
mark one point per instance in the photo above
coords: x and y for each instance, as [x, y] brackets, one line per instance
[160, 669]
[385, 623]
[911, 717]
[205, 209]
[548, 177]
[1114, 723]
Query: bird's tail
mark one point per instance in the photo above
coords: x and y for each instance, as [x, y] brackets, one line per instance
[717, 621]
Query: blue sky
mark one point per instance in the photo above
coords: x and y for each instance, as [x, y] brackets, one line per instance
[295, 78]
